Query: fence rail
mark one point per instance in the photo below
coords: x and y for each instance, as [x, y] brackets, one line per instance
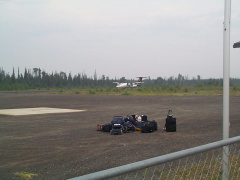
[202, 162]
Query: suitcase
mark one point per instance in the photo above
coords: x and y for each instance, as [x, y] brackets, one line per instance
[171, 125]
[99, 127]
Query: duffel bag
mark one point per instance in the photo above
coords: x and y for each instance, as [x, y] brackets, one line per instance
[149, 127]
[107, 127]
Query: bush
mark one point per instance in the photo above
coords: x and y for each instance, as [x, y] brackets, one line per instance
[91, 92]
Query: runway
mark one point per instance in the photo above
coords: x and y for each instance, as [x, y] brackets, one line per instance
[53, 137]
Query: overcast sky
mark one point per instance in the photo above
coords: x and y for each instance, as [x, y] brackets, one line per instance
[118, 38]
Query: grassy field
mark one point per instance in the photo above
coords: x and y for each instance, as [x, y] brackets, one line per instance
[148, 90]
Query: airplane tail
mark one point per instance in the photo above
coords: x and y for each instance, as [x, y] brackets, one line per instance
[140, 79]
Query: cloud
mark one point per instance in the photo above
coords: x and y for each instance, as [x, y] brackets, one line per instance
[111, 36]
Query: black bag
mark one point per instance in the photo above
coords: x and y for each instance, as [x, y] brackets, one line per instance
[134, 116]
[117, 120]
[154, 124]
[130, 119]
[144, 118]
[149, 126]
[107, 127]
[171, 125]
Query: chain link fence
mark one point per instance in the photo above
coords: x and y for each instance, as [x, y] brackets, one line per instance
[207, 165]
[202, 162]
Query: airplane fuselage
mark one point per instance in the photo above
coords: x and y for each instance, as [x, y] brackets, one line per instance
[126, 85]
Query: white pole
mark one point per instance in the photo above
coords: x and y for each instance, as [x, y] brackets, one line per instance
[226, 72]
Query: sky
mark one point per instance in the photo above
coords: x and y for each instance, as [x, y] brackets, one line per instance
[118, 38]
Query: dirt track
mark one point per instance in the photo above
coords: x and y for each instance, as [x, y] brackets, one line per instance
[62, 146]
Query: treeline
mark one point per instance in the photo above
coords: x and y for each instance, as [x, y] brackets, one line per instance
[36, 78]
[39, 79]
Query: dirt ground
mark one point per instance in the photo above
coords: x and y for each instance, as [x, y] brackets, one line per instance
[62, 146]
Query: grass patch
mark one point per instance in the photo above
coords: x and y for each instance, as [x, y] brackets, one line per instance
[25, 175]
[150, 91]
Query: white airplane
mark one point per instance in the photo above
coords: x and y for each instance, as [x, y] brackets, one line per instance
[130, 85]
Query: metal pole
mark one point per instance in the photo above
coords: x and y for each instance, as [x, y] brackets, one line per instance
[226, 72]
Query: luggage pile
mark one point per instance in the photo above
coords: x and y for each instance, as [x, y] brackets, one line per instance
[132, 123]
[120, 125]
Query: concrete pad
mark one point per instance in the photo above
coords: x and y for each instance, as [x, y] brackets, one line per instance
[39, 110]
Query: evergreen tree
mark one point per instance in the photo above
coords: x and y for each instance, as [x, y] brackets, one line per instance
[13, 77]
[69, 78]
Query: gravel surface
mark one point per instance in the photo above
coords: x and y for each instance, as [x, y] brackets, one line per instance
[67, 145]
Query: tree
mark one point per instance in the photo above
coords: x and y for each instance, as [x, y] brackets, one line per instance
[35, 71]
[18, 73]
[25, 75]
[122, 79]
[198, 77]
[171, 80]
[39, 73]
[64, 78]
[103, 77]
[180, 79]
[95, 76]
[2, 74]
[69, 78]
[13, 77]
[159, 81]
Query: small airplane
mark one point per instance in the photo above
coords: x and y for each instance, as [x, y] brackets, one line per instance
[130, 85]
